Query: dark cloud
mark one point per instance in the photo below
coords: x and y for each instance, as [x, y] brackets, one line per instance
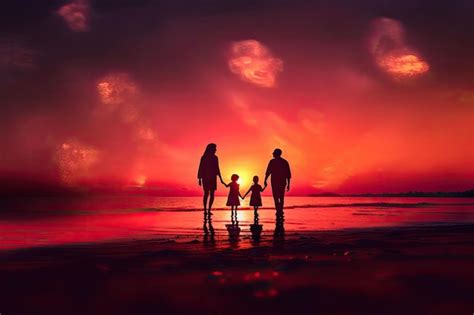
[76, 14]
[15, 54]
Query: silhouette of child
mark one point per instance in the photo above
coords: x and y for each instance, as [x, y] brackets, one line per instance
[255, 198]
[233, 198]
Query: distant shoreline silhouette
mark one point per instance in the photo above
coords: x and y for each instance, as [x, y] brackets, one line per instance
[439, 194]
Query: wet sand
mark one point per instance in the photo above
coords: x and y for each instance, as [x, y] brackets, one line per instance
[403, 270]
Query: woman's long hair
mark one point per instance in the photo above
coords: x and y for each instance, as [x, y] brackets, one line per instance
[211, 149]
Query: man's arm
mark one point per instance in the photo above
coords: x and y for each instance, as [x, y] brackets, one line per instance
[288, 179]
[266, 177]
[268, 172]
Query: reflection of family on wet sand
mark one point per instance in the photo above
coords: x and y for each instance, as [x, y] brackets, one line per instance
[278, 170]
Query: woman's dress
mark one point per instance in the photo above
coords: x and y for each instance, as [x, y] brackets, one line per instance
[208, 172]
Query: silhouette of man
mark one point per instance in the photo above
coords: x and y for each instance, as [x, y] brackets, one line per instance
[279, 169]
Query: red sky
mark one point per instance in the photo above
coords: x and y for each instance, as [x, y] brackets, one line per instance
[360, 99]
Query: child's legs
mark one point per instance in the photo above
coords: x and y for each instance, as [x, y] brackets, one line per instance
[233, 213]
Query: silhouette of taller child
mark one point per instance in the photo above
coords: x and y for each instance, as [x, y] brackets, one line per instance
[207, 176]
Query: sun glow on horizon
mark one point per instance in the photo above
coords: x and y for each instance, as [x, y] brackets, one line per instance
[141, 180]
[245, 178]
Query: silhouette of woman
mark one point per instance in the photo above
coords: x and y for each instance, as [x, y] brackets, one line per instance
[207, 176]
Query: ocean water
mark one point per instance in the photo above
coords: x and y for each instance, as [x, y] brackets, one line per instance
[57, 221]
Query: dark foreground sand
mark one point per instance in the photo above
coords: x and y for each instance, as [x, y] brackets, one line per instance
[423, 270]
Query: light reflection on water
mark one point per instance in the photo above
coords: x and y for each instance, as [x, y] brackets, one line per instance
[63, 221]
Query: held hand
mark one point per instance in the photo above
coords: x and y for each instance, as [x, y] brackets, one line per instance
[265, 184]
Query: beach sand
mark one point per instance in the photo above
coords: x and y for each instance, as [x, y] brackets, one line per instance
[404, 270]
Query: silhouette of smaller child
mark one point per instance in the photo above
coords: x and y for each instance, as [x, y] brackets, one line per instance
[233, 198]
[255, 198]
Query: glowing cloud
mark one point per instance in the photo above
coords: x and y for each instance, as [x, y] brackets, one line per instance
[403, 65]
[76, 14]
[145, 133]
[254, 63]
[116, 88]
[120, 94]
[74, 159]
[387, 34]
[391, 54]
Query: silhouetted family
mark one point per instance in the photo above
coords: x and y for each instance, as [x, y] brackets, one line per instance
[278, 169]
